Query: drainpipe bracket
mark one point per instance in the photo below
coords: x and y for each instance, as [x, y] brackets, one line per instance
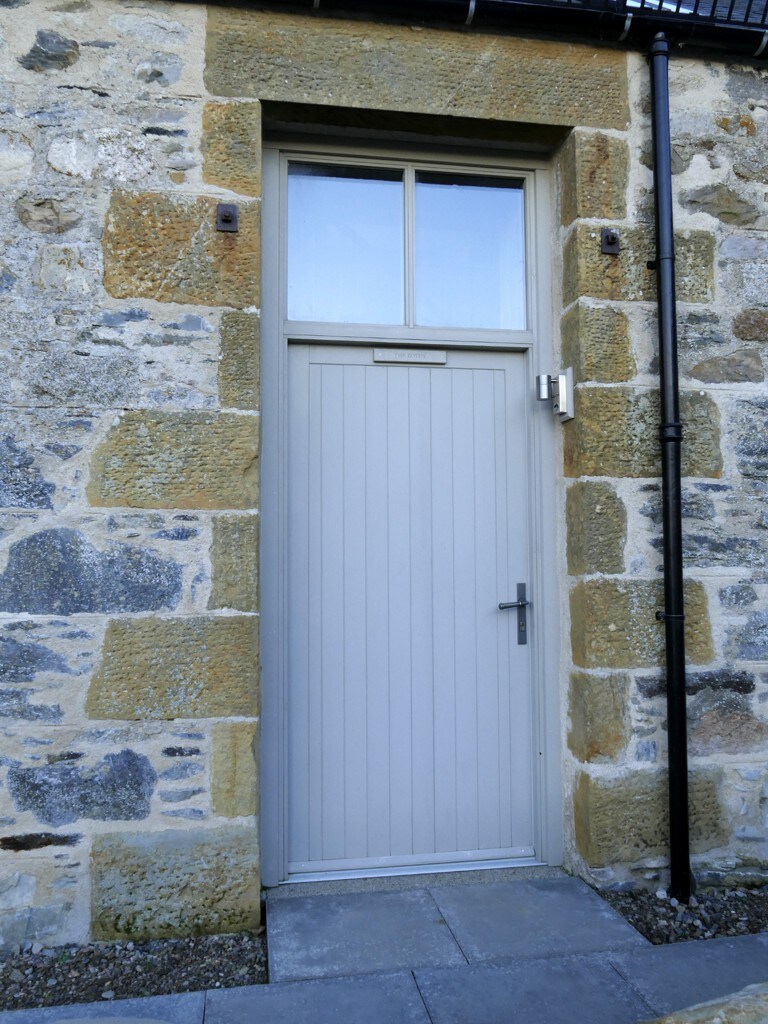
[662, 616]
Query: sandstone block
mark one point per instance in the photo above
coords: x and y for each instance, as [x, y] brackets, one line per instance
[164, 884]
[597, 529]
[613, 624]
[586, 271]
[625, 819]
[177, 460]
[593, 176]
[722, 202]
[198, 667]
[234, 774]
[235, 562]
[596, 343]
[239, 365]
[599, 719]
[167, 248]
[232, 147]
[616, 433]
[390, 67]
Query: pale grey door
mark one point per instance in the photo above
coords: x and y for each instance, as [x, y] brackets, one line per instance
[409, 720]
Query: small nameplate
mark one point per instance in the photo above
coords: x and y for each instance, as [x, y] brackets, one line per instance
[408, 355]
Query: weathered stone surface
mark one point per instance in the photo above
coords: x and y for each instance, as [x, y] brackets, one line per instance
[198, 667]
[48, 216]
[587, 272]
[593, 176]
[752, 438]
[234, 776]
[50, 52]
[699, 329]
[240, 360]
[184, 460]
[613, 624]
[596, 521]
[235, 563]
[722, 721]
[20, 662]
[751, 325]
[21, 482]
[599, 716]
[750, 641]
[742, 366]
[625, 819]
[18, 704]
[737, 595]
[722, 202]
[118, 788]
[750, 1006]
[191, 882]
[232, 147]
[616, 433]
[596, 343]
[58, 572]
[390, 67]
[695, 682]
[167, 248]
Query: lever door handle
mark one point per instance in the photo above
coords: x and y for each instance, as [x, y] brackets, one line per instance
[521, 604]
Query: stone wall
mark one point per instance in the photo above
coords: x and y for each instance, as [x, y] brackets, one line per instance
[616, 705]
[128, 479]
[130, 441]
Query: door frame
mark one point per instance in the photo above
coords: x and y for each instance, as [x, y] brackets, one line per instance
[544, 457]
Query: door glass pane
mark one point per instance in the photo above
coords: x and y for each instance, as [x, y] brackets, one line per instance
[345, 244]
[470, 252]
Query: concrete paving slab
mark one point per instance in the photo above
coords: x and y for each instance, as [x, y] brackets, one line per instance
[552, 917]
[679, 975]
[558, 990]
[182, 1008]
[362, 933]
[374, 999]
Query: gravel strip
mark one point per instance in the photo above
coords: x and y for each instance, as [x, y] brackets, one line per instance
[709, 914]
[36, 976]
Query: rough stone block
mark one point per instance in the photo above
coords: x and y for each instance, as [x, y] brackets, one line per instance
[167, 248]
[391, 67]
[164, 884]
[742, 366]
[599, 719]
[235, 562]
[751, 325]
[597, 529]
[586, 271]
[232, 147]
[626, 819]
[616, 433]
[177, 460]
[240, 360]
[118, 787]
[234, 775]
[613, 624]
[723, 722]
[593, 176]
[596, 343]
[201, 667]
[59, 572]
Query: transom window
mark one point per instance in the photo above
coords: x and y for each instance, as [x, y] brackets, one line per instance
[400, 246]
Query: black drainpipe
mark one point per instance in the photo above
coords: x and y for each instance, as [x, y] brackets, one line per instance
[671, 442]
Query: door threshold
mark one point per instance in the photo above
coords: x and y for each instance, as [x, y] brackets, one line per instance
[411, 869]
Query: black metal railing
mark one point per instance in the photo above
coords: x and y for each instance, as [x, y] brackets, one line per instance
[745, 13]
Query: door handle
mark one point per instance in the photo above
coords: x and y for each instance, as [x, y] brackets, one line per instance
[522, 618]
